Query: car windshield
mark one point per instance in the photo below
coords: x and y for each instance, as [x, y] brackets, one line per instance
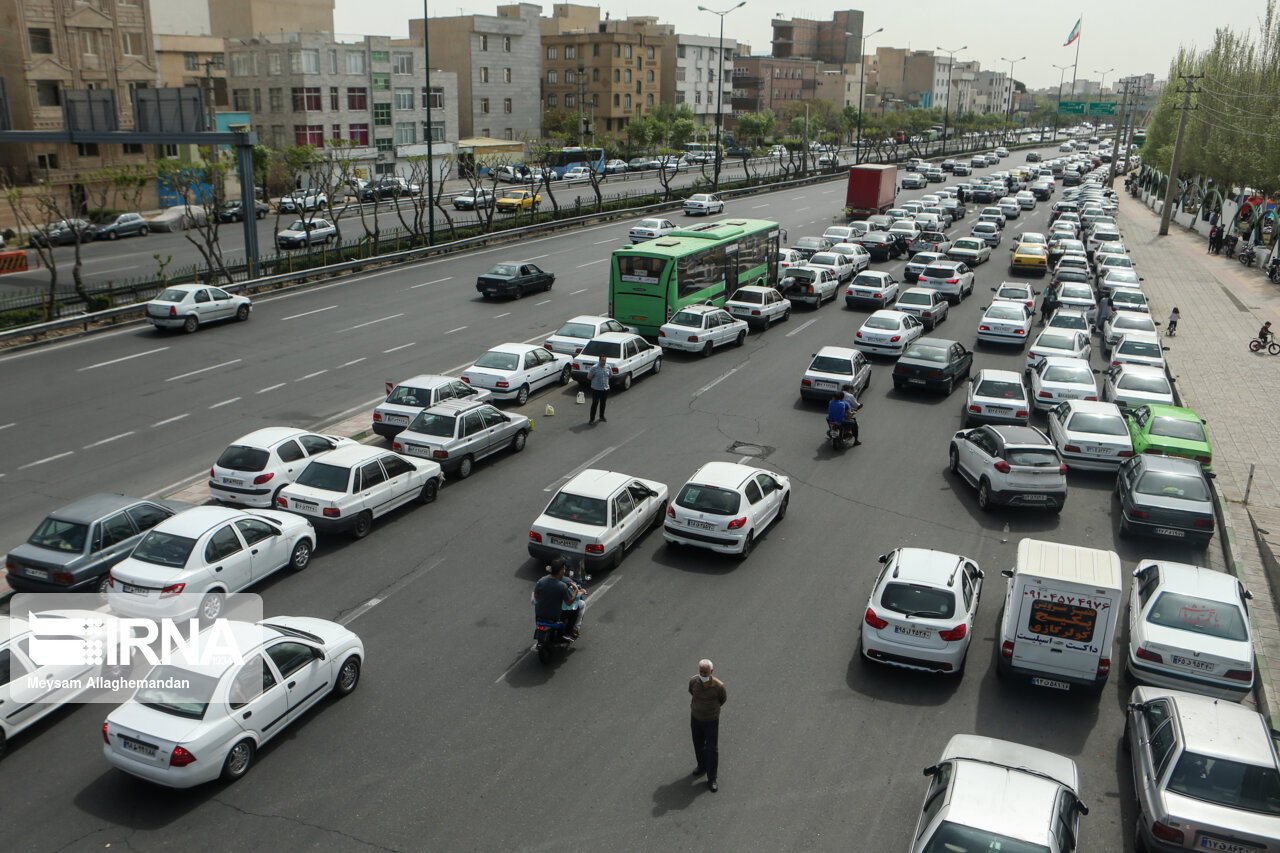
[712, 499]
[1150, 384]
[1000, 389]
[603, 348]
[507, 270]
[1177, 428]
[178, 691]
[832, 364]
[1145, 349]
[499, 360]
[918, 600]
[431, 423]
[58, 535]
[1170, 484]
[923, 259]
[1233, 784]
[407, 395]
[882, 323]
[325, 477]
[651, 224]
[926, 352]
[570, 507]
[984, 228]
[1056, 342]
[164, 549]
[577, 330]
[966, 243]
[1219, 619]
[237, 457]
[1000, 312]
[1068, 373]
[173, 294]
[1097, 423]
[955, 838]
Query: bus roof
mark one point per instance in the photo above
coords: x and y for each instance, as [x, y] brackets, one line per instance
[682, 241]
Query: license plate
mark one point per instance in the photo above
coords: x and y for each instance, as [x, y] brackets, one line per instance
[134, 590]
[999, 410]
[563, 542]
[701, 525]
[820, 384]
[1169, 531]
[916, 381]
[1049, 682]
[306, 506]
[414, 450]
[1225, 846]
[396, 419]
[1035, 498]
[491, 293]
[1100, 451]
[131, 745]
[1193, 663]
[232, 481]
[912, 632]
[36, 573]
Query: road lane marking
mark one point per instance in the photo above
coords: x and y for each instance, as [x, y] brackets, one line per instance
[122, 358]
[313, 375]
[595, 596]
[576, 292]
[591, 263]
[500, 316]
[801, 327]
[827, 192]
[397, 349]
[451, 331]
[602, 242]
[593, 460]
[543, 302]
[758, 206]
[307, 313]
[270, 388]
[370, 323]
[385, 594]
[6, 426]
[44, 460]
[204, 369]
[428, 283]
[224, 403]
[106, 440]
[714, 382]
[798, 209]
[353, 361]
[117, 269]
[170, 420]
[534, 258]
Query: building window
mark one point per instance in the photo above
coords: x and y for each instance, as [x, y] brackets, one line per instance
[357, 97]
[382, 115]
[649, 52]
[274, 65]
[617, 76]
[509, 133]
[379, 56]
[570, 100]
[570, 52]
[308, 134]
[381, 81]
[306, 99]
[697, 97]
[484, 42]
[553, 77]
[506, 44]
[649, 98]
[648, 76]
[190, 62]
[240, 99]
[87, 149]
[433, 131]
[359, 134]
[333, 62]
[356, 62]
[551, 101]
[680, 51]
[277, 135]
[384, 144]
[595, 75]
[403, 98]
[436, 99]
[680, 75]
[402, 63]
[626, 102]
[484, 105]
[310, 61]
[617, 51]
[485, 133]
[552, 53]
[570, 77]
[484, 74]
[47, 161]
[131, 148]
[616, 99]
[239, 65]
[47, 93]
[679, 96]
[506, 75]
[506, 105]
[627, 51]
[626, 76]
[406, 133]
[89, 42]
[257, 100]
[336, 132]
[275, 99]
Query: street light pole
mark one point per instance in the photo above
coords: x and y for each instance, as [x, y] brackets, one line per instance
[946, 110]
[1103, 80]
[862, 78]
[715, 181]
[431, 168]
[1061, 78]
[1012, 62]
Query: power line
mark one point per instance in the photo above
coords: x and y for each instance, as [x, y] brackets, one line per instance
[1228, 129]
[1240, 92]
[1232, 106]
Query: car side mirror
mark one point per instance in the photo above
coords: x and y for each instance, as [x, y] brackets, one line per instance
[317, 653]
[1140, 278]
[883, 558]
[931, 770]
[1096, 371]
[1164, 349]
[1082, 808]
[1008, 573]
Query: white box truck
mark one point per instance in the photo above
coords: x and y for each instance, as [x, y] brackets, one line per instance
[1060, 613]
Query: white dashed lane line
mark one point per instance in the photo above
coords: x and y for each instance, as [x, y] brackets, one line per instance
[451, 331]
[173, 419]
[313, 375]
[602, 242]
[371, 322]
[224, 403]
[307, 313]
[397, 349]
[44, 460]
[107, 440]
[203, 370]
[270, 388]
[543, 302]
[6, 426]
[428, 283]
[353, 361]
[758, 206]
[576, 292]
[500, 316]
[802, 327]
[122, 358]
[534, 258]
[592, 263]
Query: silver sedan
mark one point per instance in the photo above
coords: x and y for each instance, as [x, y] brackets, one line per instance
[457, 433]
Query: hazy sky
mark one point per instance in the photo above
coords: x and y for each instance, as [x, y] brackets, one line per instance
[1133, 36]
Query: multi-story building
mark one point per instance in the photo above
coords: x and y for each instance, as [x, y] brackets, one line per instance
[993, 92]
[834, 42]
[840, 84]
[498, 64]
[771, 83]
[232, 18]
[307, 89]
[906, 75]
[53, 46]
[690, 72]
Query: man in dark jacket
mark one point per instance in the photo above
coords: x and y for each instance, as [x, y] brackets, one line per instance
[704, 721]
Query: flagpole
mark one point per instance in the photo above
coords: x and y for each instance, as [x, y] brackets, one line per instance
[1076, 66]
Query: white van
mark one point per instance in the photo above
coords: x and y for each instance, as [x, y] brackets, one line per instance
[1060, 612]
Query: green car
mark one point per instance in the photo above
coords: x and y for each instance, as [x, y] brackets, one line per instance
[1170, 430]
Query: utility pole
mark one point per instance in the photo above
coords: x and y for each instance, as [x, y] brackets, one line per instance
[719, 78]
[1115, 149]
[431, 166]
[1166, 210]
[1061, 77]
[862, 78]
[582, 130]
[946, 108]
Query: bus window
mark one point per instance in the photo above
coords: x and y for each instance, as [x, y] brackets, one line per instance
[641, 270]
[702, 270]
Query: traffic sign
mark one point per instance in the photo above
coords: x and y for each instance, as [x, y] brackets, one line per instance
[1072, 108]
[1102, 108]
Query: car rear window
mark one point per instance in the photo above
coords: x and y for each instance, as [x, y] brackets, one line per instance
[1068, 373]
[915, 299]
[1076, 292]
[407, 395]
[1001, 389]
[918, 600]
[608, 349]
[1199, 616]
[58, 535]
[164, 549]
[1098, 424]
[1150, 384]
[172, 295]
[1168, 484]
[1137, 322]
[327, 478]
[832, 364]
[882, 323]
[567, 506]
[955, 838]
[710, 499]
[1228, 783]
[237, 457]
[938, 272]
[1056, 342]
[498, 361]
[432, 423]
[1032, 457]
[999, 312]
[177, 691]
[751, 296]
[1177, 428]
[577, 330]
[691, 319]
[1142, 348]
[926, 352]
[502, 269]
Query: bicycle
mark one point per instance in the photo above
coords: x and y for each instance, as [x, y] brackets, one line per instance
[1269, 342]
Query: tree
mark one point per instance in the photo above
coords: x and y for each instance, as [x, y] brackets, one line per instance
[34, 210]
[201, 186]
[757, 126]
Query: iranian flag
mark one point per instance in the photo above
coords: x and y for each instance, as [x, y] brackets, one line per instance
[1075, 33]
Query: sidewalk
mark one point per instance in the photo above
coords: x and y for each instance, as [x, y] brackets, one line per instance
[1222, 306]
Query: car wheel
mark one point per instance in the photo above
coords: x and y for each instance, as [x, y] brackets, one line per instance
[112, 235]
[211, 607]
[706, 350]
[144, 231]
[566, 375]
[362, 525]
[522, 396]
[465, 466]
[782, 508]
[1057, 509]
[430, 490]
[518, 441]
[657, 365]
[742, 339]
[301, 556]
[238, 761]
[546, 287]
[626, 382]
[954, 460]
[242, 313]
[951, 386]
[984, 497]
[786, 315]
[748, 545]
[191, 324]
[348, 676]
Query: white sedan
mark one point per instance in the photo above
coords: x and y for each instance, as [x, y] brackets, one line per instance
[996, 397]
[188, 564]
[887, 332]
[1134, 385]
[514, 371]
[1016, 291]
[1005, 323]
[575, 334]
[859, 256]
[626, 355]
[1058, 379]
[929, 306]
[700, 329]
[1122, 323]
[224, 712]
[874, 287]
[758, 305]
[1138, 348]
[595, 517]
[1059, 342]
[1129, 299]
[1078, 297]
[703, 203]
[190, 306]
[1090, 435]
[649, 229]
[726, 507]
[841, 265]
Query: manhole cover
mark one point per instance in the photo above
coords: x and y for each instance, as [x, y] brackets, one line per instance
[743, 448]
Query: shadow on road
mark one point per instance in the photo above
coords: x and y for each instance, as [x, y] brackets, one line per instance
[899, 686]
[677, 795]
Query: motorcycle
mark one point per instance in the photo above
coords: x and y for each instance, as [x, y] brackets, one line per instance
[549, 637]
[1248, 254]
[841, 436]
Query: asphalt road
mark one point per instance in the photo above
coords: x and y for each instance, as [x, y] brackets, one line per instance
[456, 739]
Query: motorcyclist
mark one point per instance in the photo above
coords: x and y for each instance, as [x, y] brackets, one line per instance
[1048, 302]
[838, 413]
[851, 422]
[554, 594]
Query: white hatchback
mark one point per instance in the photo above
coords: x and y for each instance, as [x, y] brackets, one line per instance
[1059, 342]
[758, 305]
[190, 306]
[700, 329]
[595, 517]
[514, 371]
[1133, 385]
[574, 335]
[888, 332]
[1005, 323]
[726, 507]
[1090, 435]
[1139, 348]
[255, 467]
[1058, 379]
[833, 368]
[928, 306]
[874, 287]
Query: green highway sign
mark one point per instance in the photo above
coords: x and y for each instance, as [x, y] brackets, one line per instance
[1102, 108]
[1072, 108]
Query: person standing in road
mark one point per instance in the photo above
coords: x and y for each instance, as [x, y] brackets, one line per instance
[598, 376]
[1104, 312]
[704, 721]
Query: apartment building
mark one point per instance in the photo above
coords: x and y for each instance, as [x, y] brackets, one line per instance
[690, 72]
[771, 83]
[840, 84]
[52, 46]
[307, 89]
[906, 75]
[993, 92]
[834, 42]
[497, 60]
[232, 18]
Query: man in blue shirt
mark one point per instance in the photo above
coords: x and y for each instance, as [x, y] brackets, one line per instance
[837, 411]
[598, 376]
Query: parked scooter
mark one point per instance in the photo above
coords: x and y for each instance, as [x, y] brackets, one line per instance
[1248, 254]
[1273, 266]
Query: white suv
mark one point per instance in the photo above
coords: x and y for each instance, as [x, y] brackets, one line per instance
[953, 279]
[255, 467]
[1015, 465]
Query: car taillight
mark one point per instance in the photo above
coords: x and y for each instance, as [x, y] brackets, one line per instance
[466, 379]
[1137, 513]
[1006, 650]
[1071, 448]
[1093, 398]
[284, 502]
[1022, 413]
[105, 738]
[64, 578]
[614, 370]
[859, 334]
[737, 523]
[172, 589]
[397, 446]
[1154, 451]
[262, 478]
[1204, 460]
[1003, 467]
[662, 333]
[693, 339]
[1104, 667]
[1044, 394]
[924, 313]
[874, 621]
[10, 565]
[1020, 331]
[595, 549]
[935, 374]
[577, 350]
[1125, 454]
[1240, 674]
[1200, 522]
[1166, 833]
[982, 328]
[1146, 654]
[332, 512]
[671, 511]
[953, 281]
[895, 339]
[849, 292]
[547, 346]
[180, 757]
[899, 370]
[976, 409]
[535, 536]
[755, 313]
[173, 310]
[959, 632]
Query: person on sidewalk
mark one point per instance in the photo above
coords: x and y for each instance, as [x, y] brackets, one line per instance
[1174, 317]
[1214, 241]
[598, 376]
[704, 721]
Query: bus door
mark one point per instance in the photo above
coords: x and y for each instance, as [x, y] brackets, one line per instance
[730, 271]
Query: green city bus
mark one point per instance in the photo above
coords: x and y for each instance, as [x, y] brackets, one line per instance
[650, 281]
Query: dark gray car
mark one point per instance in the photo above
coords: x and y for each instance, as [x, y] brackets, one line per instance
[1165, 496]
[124, 225]
[74, 548]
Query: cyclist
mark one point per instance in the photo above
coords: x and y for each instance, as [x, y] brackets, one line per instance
[1265, 334]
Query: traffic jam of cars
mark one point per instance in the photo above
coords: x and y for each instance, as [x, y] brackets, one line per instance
[1071, 615]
